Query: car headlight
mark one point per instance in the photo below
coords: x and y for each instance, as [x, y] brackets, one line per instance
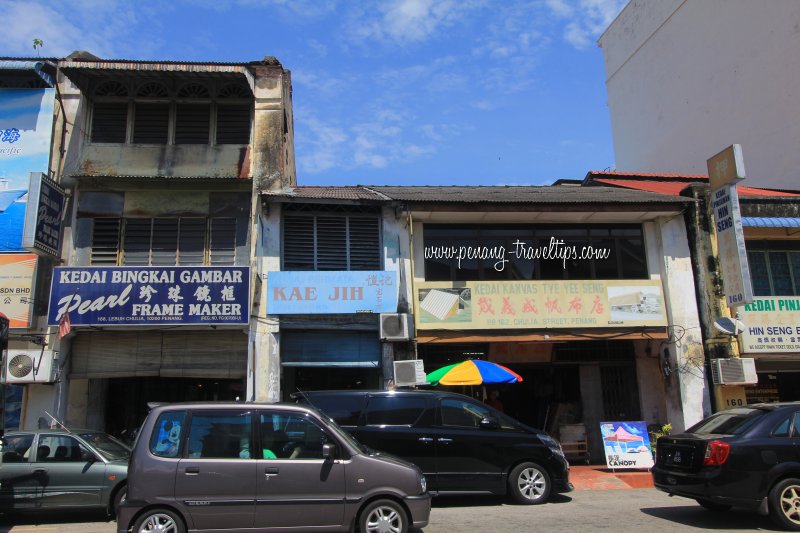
[552, 444]
[423, 484]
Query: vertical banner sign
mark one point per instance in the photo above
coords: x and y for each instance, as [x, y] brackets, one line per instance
[724, 170]
[42, 230]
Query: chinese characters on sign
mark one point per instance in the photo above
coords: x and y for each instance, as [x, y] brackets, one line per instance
[539, 304]
[346, 292]
[106, 296]
[626, 444]
[772, 325]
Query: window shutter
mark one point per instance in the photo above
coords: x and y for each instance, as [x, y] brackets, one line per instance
[165, 241]
[223, 241]
[192, 123]
[192, 242]
[105, 241]
[365, 251]
[233, 124]
[136, 249]
[331, 243]
[109, 122]
[151, 123]
[298, 242]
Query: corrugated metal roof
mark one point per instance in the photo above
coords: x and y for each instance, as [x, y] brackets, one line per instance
[646, 175]
[675, 187]
[327, 193]
[131, 177]
[771, 222]
[520, 194]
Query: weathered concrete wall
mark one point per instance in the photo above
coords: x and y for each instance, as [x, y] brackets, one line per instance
[272, 155]
[163, 160]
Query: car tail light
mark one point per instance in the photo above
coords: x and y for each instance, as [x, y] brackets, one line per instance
[717, 453]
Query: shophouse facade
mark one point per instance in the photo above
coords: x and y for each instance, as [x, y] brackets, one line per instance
[770, 325]
[591, 337]
[162, 163]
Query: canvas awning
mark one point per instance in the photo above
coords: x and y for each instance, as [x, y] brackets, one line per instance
[771, 222]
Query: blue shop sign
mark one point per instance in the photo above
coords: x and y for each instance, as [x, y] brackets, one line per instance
[42, 230]
[144, 296]
[340, 292]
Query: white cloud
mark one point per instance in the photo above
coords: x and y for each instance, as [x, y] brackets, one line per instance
[587, 18]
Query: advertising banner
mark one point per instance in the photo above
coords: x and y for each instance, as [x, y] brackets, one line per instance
[146, 296]
[626, 444]
[772, 325]
[17, 273]
[539, 304]
[345, 292]
[26, 124]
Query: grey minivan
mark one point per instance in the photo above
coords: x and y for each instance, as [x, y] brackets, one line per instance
[263, 467]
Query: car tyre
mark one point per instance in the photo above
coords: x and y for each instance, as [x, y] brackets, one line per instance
[529, 484]
[160, 520]
[714, 506]
[119, 497]
[784, 503]
[383, 516]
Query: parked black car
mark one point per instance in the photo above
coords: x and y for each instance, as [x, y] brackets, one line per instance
[459, 443]
[744, 457]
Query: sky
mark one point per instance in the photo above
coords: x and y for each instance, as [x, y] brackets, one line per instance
[385, 92]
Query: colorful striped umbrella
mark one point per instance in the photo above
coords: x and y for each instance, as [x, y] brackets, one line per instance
[473, 372]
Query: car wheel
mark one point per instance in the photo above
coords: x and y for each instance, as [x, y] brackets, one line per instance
[529, 484]
[784, 503]
[119, 497]
[383, 516]
[160, 520]
[714, 506]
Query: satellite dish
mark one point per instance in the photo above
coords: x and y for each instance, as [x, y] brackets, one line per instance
[729, 326]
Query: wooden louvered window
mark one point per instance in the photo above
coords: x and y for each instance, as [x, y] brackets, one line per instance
[163, 241]
[331, 241]
[105, 241]
[192, 123]
[151, 123]
[109, 122]
[233, 124]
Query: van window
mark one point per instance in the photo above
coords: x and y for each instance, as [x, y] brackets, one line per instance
[398, 410]
[462, 414]
[220, 435]
[166, 438]
[344, 409]
[286, 436]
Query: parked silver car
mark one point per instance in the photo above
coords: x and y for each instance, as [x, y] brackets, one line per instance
[62, 469]
[263, 467]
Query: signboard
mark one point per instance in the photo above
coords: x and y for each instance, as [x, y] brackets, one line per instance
[146, 296]
[724, 170]
[17, 274]
[772, 325]
[26, 125]
[626, 444]
[46, 202]
[348, 292]
[539, 304]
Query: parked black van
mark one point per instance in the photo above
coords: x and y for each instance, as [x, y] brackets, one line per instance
[459, 443]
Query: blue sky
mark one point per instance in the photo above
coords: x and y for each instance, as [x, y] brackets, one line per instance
[395, 92]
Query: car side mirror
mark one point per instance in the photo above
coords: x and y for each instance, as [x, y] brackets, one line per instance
[88, 456]
[329, 451]
[489, 422]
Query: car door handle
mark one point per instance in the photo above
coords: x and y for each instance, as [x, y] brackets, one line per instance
[271, 471]
[192, 470]
[40, 471]
[425, 439]
[445, 441]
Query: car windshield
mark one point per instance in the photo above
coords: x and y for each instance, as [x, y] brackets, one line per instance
[344, 435]
[110, 448]
[730, 422]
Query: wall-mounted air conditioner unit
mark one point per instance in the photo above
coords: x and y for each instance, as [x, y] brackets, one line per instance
[734, 371]
[409, 373]
[396, 326]
[30, 366]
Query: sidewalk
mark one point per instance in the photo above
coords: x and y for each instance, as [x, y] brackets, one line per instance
[599, 477]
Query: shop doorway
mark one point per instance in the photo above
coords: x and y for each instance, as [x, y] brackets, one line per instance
[127, 398]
